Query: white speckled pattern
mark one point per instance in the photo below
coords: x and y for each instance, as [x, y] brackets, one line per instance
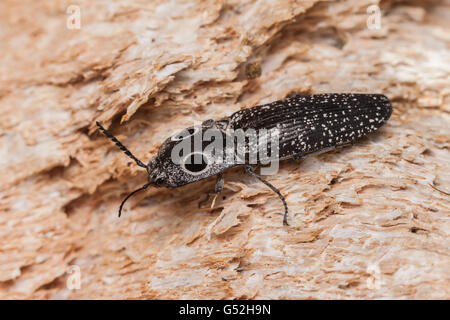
[310, 123]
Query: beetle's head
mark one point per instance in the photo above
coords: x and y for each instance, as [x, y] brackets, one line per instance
[156, 174]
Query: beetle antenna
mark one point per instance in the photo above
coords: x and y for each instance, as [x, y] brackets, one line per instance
[145, 186]
[121, 146]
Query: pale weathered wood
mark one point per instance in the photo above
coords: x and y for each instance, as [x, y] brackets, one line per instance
[369, 221]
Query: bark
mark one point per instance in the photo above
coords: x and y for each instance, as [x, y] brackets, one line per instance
[368, 221]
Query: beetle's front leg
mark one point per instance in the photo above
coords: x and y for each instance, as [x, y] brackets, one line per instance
[219, 187]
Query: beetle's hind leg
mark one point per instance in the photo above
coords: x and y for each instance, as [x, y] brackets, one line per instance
[219, 187]
[250, 170]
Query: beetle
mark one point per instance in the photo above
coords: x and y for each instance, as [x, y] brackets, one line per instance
[304, 124]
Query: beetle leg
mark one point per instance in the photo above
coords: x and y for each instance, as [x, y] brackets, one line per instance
[219, 187]
[251, 171]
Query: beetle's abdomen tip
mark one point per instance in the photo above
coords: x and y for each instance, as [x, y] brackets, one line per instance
[385, 106]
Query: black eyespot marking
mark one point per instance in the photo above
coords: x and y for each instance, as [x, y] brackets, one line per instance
[195, 163]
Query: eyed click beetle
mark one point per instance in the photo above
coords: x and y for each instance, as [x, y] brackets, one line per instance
[302, 125]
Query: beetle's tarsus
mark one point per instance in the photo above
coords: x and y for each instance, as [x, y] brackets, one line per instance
[218, 189]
